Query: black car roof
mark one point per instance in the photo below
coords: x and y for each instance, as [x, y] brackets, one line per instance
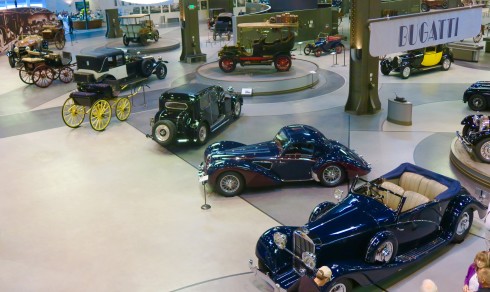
[191, 89]
[302, 133]
[105, 52]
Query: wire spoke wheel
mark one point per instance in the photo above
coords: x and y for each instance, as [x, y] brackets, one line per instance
[384, 252]
[43, 76]
[66, 74]
[123, 109]
[25, 76]
[100, 115]
[72, 114]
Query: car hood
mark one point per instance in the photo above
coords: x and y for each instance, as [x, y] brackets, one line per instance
[259, 150]
[354, 215]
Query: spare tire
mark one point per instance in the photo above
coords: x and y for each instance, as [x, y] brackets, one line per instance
[146, 67]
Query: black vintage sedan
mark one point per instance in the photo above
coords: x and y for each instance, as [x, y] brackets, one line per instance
[191, 111]
[475, 136]
[439, 56]
[380, 228]
[297, 153]
[478, 96]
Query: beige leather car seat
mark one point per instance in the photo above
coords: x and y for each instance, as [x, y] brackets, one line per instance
[410, 181]
[390, 200]
[413, 199]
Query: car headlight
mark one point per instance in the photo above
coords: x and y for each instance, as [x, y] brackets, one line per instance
[28, 48]
[309, 259]
[16, 49]
[280, 240]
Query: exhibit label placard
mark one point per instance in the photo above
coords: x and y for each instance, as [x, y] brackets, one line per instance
[402, 33]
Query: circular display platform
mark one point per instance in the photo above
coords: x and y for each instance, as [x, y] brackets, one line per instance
[469, 166]
[162, 45]
[263, 80]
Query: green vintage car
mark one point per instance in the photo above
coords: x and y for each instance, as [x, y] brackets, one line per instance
[266, 49]
[138, 28]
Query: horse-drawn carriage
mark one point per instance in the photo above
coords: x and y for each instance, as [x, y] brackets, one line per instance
[41, 68]
[98, 100]
[54, 33]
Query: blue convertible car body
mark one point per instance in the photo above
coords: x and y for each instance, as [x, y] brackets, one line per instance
[381, 227]
[297, 153]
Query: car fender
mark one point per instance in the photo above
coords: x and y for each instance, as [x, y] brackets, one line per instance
[220, 146]
[375, 243]
[456, 207]
[253, 174]
[270, 255]
[468, 120]
[320, 209]
[386, 62]
[331, 158]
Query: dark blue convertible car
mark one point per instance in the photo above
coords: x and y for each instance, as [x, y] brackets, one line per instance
[297, 153]
[379, 228]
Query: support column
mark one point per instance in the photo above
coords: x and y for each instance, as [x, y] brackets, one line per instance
[363, 77]
[189, 29]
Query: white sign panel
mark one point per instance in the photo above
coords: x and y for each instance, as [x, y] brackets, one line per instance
[402, 33]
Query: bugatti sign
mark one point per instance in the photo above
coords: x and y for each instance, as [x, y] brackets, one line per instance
[402, 33]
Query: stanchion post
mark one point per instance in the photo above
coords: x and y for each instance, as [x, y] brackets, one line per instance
[205, 206]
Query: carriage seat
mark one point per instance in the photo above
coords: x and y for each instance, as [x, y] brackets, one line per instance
[417, 183]
[103, 89]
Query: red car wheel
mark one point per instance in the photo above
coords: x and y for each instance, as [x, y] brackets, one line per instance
[282, 63]
[227, 64]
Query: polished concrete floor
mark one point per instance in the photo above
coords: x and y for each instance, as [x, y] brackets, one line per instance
[113, 211]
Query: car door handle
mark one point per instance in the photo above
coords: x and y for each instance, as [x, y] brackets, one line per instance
[281, 162]
[400, 229]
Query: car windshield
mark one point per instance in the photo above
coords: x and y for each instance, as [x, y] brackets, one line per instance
[281, 139]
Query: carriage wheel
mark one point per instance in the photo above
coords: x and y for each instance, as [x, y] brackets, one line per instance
[25, 76]
[59, 40]
[72, 114]
[156, 36]
[143, 40]
[66, 74]
[123, 108]
[43, 76]
[100, 115]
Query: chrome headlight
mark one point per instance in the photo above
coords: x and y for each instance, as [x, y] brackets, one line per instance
[309, 259]
[16, 49]
[28, 48]
[280, 240]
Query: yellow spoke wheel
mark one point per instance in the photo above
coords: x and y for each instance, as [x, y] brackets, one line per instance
[72, 114]
[123, 108]
[100, 115]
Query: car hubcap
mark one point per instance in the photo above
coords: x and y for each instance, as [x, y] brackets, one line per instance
[464, 224]
[202, 133]
[162, 132]
[282, 63]
[237, 108]
[230, 183]
[406, 72]
[228, 64]
[338, 288]
[446, 64]
[485, 150]
[477, 102]
[384, 253]
[331, 174]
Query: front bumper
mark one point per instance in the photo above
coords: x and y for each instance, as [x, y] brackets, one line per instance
[467, 145]
[203, 177]
[263, 277]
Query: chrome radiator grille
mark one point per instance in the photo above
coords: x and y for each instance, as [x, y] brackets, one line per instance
[301, 243]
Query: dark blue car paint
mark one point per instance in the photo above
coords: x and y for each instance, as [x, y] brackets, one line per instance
[342, 233]
[251, 160]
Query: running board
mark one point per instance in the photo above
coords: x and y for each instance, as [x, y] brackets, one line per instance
[421, 251]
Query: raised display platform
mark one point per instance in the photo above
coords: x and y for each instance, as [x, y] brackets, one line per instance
[468, 165]
[162, 45]
[263, 80]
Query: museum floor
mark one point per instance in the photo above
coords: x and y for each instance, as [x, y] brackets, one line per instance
[113, 211]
